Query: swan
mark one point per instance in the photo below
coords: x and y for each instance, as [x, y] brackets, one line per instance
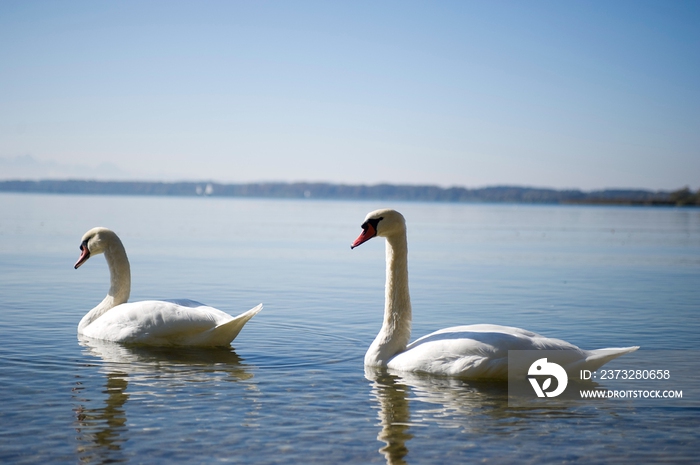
[471, 352]
[179, 322]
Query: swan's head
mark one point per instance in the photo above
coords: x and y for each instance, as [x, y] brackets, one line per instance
[95, 241]
[384, 223]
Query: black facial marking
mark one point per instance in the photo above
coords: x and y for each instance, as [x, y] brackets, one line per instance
[372, 221]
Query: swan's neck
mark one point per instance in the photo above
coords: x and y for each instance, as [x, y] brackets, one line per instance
[120, 284]
[396, 329]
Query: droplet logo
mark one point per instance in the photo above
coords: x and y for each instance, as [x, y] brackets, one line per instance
[541, 368]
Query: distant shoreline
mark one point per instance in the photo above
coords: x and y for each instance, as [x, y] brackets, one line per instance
[302, 190]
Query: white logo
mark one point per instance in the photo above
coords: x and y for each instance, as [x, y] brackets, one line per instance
[550, 369]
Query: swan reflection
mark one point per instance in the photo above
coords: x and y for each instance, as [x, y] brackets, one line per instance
[101, 416]
[394, 415]
[101, 429]
[408, 401]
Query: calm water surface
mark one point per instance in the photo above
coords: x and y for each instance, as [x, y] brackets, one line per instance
[293, 388]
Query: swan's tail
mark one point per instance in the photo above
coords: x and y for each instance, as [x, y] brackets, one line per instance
[599, 357]
[223, 334]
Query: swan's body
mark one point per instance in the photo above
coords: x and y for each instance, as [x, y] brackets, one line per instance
[474, 351]
[151, 322]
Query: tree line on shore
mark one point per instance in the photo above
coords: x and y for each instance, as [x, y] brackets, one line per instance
[300, 190]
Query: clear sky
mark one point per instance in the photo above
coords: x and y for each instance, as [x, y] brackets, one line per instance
[563, 94]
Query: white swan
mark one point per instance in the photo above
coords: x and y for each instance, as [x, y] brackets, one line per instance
[474, 351]
[150, 322]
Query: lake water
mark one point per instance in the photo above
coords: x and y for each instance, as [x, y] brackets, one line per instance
[293, 388]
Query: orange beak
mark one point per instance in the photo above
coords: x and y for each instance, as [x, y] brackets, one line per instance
[367, 233]
[84, 255]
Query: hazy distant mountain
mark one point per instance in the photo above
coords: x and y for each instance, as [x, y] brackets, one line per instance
[28, 167]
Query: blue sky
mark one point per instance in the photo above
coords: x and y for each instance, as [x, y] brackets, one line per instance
[564, 94]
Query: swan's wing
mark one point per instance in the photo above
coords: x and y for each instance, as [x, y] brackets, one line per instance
[474, 351]
[138, 322]
[481, 351]
[492, 339]
[161, 322]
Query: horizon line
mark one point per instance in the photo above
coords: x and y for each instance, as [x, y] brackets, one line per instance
[349, 184]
